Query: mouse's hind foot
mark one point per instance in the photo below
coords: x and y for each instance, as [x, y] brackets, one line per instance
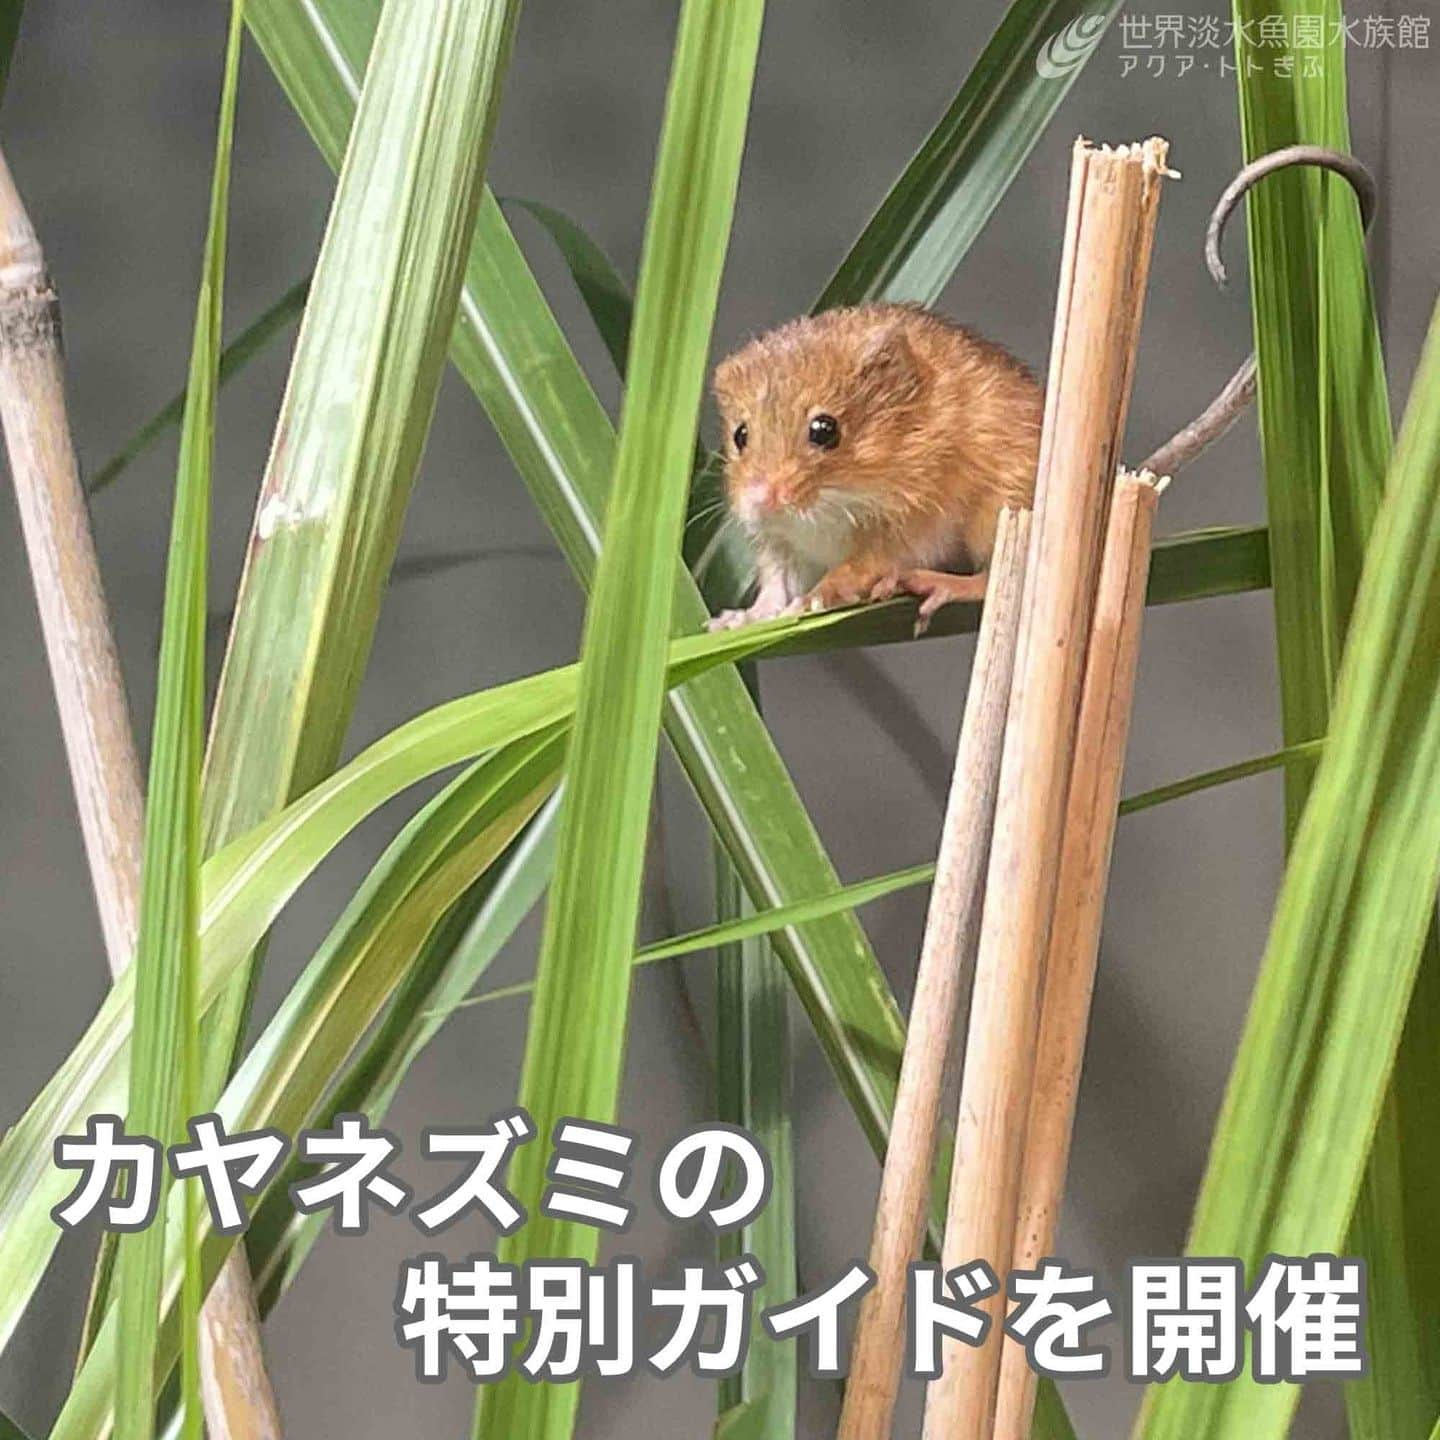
[934, 589]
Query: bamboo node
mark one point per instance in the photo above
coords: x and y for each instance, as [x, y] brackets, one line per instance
[30, 317]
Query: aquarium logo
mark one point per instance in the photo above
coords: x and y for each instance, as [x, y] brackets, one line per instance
[1068, 49]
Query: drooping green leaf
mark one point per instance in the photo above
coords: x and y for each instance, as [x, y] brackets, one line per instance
[1290, 1149]
[165, 1066]
[233, 358]
[453, 959]
[292, 1067]
[357, 409]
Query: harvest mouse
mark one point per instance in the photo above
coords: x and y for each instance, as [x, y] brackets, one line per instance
[869, 451]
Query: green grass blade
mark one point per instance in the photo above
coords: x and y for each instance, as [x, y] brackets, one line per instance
[753, 1047]
[1325, 433]
[1199, 564]
[233, 358]
[576, 1039]
[1323, 411]
[734, 932]
[753, 1080]
[293, 1066]
[603, 289]
[245, 887]
[1292, 756]
[766, 923]
[357, 409]
[9, 1430]
[455, 956]
[164, 1073]
[941, 202]
[1291, 1145]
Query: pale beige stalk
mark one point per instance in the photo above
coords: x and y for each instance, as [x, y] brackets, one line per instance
[1114, 195]
[95, 721]
[74, 618]
[1089, 834]
[952, 926]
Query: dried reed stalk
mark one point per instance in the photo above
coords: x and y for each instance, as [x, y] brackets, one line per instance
[1089, 833]
[1114, 195]
[952, 927]
[95, 720]
[74, 618]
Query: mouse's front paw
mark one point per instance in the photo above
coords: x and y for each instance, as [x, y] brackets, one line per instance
[767, 606]
[729, 620]
[848, 584]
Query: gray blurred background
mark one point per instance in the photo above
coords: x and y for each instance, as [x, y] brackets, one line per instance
[108, 127]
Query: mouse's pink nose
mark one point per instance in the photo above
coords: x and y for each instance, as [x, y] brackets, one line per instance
[764, 494]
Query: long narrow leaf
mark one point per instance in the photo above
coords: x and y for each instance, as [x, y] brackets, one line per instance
[1325, 435]
[371, 349]
[753, 1081]
[949, 190]
[249, 343]
[452, 960]
[1291, 1146]
[576, 1040]
[383, 930]
[751, 1005]
[164, 1071]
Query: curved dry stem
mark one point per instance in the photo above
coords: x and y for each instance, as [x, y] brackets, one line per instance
[1239, 391]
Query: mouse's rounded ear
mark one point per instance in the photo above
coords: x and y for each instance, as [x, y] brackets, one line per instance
[889, 365]
[723, 384]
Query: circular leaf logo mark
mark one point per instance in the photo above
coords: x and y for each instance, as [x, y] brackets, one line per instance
[1068, 49]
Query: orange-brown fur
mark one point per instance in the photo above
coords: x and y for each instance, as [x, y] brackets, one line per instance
[938, 430]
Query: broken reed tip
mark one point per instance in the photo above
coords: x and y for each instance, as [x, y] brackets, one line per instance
[1145, 477]
[1153, 153]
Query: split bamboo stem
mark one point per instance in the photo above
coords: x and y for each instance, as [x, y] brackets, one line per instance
[1114, 195]
[1089, 834]
[95, 721]
[952, 927]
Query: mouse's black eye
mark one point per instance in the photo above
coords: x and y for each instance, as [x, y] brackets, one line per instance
[825, 432]
[741, 437]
